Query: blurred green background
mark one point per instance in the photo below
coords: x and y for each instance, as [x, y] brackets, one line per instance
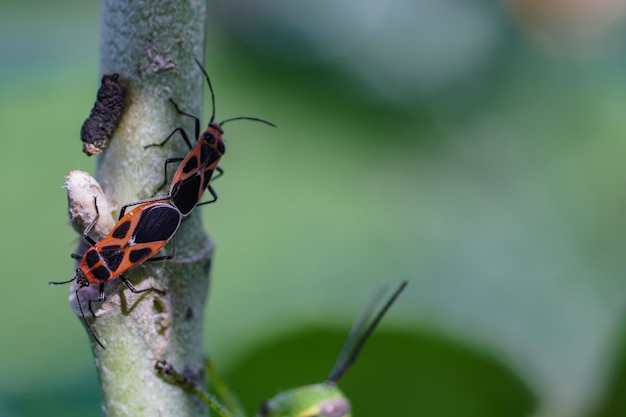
[475, 148]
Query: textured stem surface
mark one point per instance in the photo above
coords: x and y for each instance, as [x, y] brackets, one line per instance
[151, 44]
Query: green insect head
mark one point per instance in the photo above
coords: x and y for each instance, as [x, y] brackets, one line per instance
[320, 400]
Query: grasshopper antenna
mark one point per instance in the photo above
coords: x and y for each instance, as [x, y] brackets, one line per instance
[360, 333]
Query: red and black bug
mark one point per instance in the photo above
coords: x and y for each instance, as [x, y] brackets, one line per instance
[196, 169]
[105, 115]
[136, 238]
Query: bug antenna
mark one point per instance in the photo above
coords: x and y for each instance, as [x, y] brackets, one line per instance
[61, 282]
[89, 329]
[254, 119]
[206, 76]
[360, 333]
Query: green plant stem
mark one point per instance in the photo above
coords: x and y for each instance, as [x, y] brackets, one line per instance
[152, 46]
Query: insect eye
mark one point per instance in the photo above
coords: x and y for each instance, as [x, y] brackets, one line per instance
[335, 407]
[209, 138]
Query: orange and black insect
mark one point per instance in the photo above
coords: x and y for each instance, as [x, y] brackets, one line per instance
[105, 115]
[196, 169]
[136, 238]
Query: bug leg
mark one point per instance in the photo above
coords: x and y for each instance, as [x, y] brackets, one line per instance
[178, 129]
[87, 238]
[136, 203]
[196, 120]
[213, 193]
[82, 313]
[211, 190]
[101, 298]
[165, 257]
[135, 290]
[220, 172]
[167, 161]
[92, 224]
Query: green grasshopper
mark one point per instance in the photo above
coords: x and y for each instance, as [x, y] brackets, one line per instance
[318, 400]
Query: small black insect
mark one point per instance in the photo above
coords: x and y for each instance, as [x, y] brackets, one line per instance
[105, 116]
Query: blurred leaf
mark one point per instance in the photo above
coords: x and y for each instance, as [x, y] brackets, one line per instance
[399, 373]
[612, 403]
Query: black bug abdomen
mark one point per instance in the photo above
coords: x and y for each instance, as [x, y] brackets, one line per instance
[185, 194]
[157, 223]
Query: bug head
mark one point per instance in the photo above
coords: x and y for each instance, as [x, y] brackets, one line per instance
[80, 278]
[319, 400]
[212, 136]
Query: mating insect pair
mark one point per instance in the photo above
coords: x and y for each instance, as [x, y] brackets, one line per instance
[146, 229]
[319, 400]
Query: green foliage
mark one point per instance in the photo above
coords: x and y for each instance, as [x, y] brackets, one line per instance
[421, 372]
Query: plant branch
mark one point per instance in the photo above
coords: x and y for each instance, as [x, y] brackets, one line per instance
[151, 45]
